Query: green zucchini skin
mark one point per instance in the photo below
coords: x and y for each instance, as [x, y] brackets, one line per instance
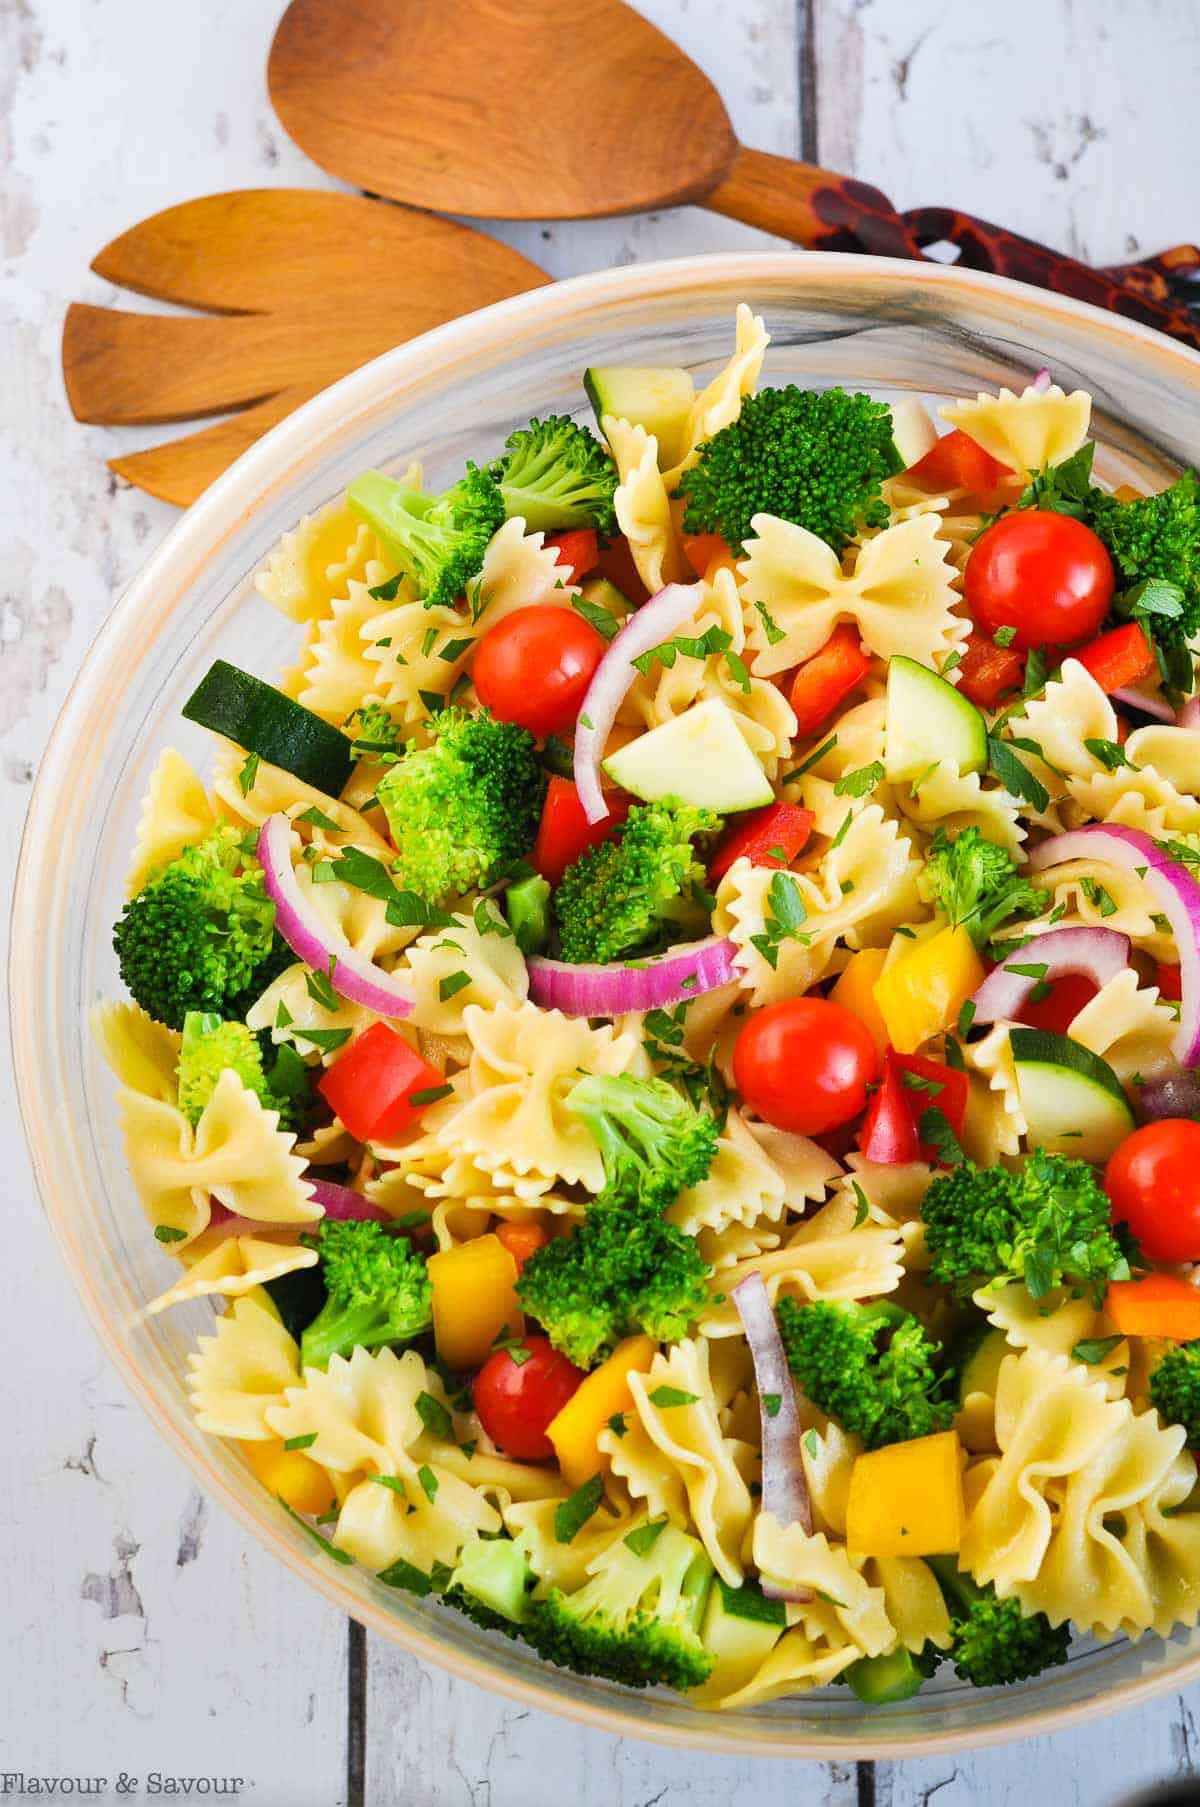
[261, 719]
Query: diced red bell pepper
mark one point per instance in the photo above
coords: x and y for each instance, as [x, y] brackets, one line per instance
[766, 837]
[989, 672]
[1117, 658]
[616, 563]
[957, 462]
[1169, 980]
[565, 832]
[831, 674]
[705, 549]
[1058, 1010]
[521, 1240]
[942, 1087]
[578, 550]
[888, 1133]
[370, 1086]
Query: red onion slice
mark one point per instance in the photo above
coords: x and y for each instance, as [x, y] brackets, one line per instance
[1171, 1095]
[1175, 891]
[340, 1205]
[784, 1484]
[651, 984]
[1099, 954]
[1155, 706]
[1189, 715]
[315, 940]
[1041, 381]
[654, 622]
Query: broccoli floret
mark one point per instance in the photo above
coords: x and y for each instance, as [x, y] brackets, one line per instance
[993, 1641]
[621, 1271]
[557, 475]
[977, 885]
[490, 1584]
[462, 807]
[378, 1291]
[200, 934]
[1156, 538]
[653, 1141]
[870, 1367]
[813, 457]
[630, 894]
[1046, 1224]
[636, 1620]
[1175, 1389]
[209, 1046]
[375, 734]
[898, 1675]
[437, 541]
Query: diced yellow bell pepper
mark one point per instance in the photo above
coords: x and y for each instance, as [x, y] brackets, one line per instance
[855, 991]
[922, 992]
[299, 1481]
[907, 1499]
[473, 1300]
[605, 1392]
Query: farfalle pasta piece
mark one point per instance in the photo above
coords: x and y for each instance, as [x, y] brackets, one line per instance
[900, 592]
[952, 800]
[806, 1169]
[524, 1062]
[1026, 432]
[479, 945]
[743, 1186]
[799, 1661]
[315, 561]
[276, 792]
[677, 1411]
[890, 1195]
[995, 1121]
[913, 1601]
[829, 1455]
[762, 712]
[643, 506]
[361, 1411]
[143, 1054]
[827, 1257]
[235, 1154]
[175, 814]
[243, 1369]
[863, 877]
[1128, 1026]
[1091, 893]
[794, 1559]
[564, 1565]
[1056, 1324]
[720, 401]
[289, 1011]
[231, 1266]
[334, 675]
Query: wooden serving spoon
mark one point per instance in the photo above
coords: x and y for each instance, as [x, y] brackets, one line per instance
[517, 109]
[301, 287]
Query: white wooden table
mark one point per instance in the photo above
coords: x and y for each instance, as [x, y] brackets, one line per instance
[144, 1632]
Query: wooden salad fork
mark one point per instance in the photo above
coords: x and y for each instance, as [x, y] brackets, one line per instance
[298, 287]
[516, 109]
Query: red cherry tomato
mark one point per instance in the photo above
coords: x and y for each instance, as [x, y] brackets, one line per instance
[517, 1399]
[1046, 575]
[1153, 1181]
[805, 1064]
[534, 667]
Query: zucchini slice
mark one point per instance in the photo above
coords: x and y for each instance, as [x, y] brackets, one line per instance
[261, 719]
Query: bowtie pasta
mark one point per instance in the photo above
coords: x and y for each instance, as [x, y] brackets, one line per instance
[669, 1038]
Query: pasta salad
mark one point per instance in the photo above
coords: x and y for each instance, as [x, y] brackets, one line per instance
[669, 1038]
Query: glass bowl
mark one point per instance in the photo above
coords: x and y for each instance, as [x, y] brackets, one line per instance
[455, 394]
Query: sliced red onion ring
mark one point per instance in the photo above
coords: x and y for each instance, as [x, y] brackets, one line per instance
[315, 940]
[1189, 715]
[784, 1484]
[1156, 706]
[1175, 891]
[1171, 1095]
[340, 1205]
[651, 984]
[1099, 954]
[654, 622]
[1041, 381]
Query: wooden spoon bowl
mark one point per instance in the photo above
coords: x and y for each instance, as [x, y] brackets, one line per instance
[300, 286]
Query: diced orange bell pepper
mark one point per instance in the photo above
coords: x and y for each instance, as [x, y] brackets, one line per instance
[907, 1499]
[823, 681]
[298, 1481]
[704, 551]
[987, 672]
[474, 1300]
[922, 992]
[595, 1401]
[855, 990]
[521, 1240]
[1157, 1305]
[1117, 658]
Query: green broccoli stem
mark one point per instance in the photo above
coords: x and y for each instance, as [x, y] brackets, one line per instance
[881, 1680]
[959, 1589]
[338, 1328]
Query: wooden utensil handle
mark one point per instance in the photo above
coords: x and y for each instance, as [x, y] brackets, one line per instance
[812, 206]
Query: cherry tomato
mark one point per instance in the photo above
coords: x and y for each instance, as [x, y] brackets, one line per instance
[534, 667]
[1046, 575]
[1059, 1009]
[805, 1064]
[516, 1399]
[1153, 1181]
